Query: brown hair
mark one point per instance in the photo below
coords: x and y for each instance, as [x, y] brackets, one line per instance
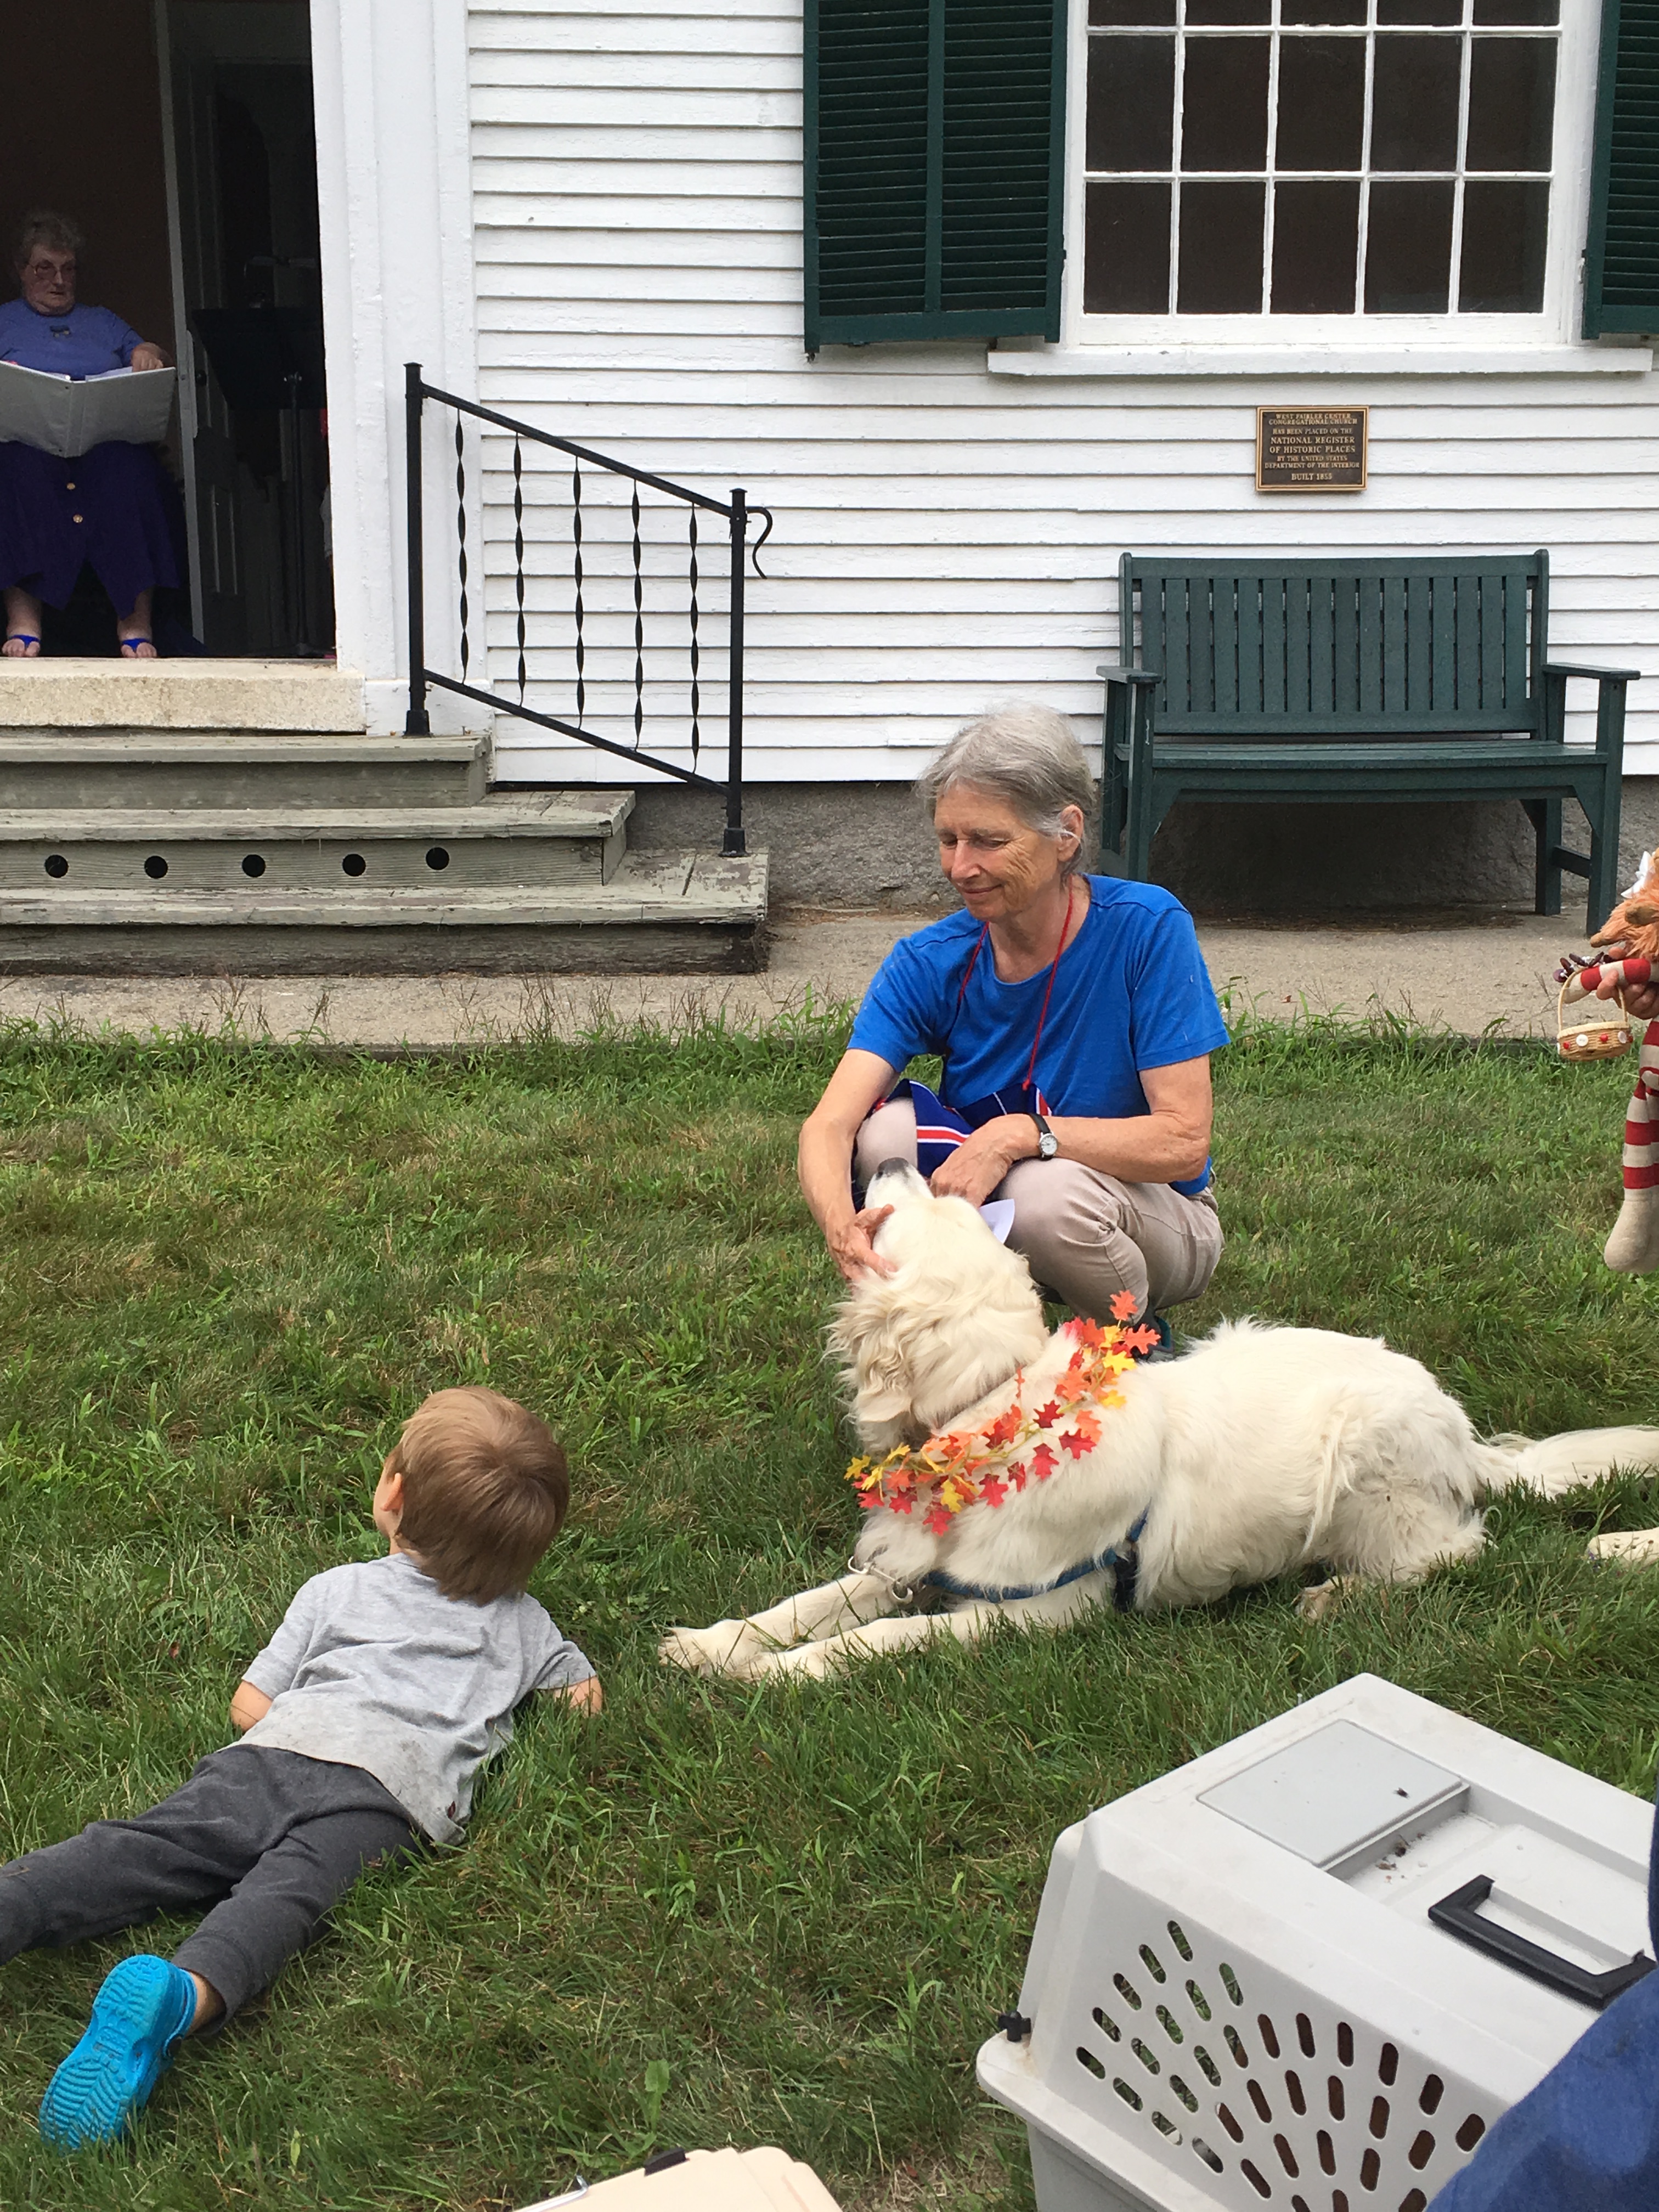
[46, 226]
[485, 1491]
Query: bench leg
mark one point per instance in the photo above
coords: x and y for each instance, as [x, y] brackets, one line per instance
[1546, 817]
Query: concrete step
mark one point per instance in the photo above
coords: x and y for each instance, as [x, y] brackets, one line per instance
[69, 769]
[545, 840]
[660, 913]
[73, 694]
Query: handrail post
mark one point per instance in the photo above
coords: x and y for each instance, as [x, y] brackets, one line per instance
[734, 845]
[417, 723]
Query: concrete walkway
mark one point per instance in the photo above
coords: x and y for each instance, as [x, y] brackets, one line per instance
[1461, 974]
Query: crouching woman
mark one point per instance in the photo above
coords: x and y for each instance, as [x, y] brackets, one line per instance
[1075, 1021]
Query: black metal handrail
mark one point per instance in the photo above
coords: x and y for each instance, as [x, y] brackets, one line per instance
[737, 511]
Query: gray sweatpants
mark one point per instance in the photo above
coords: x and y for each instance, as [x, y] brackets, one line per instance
[274, 1836]
[1085, 1236]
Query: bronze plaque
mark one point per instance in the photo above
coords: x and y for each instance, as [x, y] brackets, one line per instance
[1310, 448]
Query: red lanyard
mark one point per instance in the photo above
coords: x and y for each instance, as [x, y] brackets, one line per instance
[1049, 991]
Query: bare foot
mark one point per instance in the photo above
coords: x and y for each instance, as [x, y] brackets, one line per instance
[20, 646]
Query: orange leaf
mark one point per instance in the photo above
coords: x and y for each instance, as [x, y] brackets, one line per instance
[1125, 1305]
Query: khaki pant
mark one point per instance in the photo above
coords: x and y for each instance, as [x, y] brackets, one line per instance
[1085, 1236]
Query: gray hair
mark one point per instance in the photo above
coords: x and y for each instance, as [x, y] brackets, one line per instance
[1022, 753]
[45, 227]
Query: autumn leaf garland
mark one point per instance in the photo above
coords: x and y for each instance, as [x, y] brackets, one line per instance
[980, 1467]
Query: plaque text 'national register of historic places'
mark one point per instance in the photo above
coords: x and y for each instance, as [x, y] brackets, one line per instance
[1310, 448]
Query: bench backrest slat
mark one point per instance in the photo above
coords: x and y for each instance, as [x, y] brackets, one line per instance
[1340, 647]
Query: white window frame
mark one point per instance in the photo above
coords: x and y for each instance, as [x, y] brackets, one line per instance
[1544, 343]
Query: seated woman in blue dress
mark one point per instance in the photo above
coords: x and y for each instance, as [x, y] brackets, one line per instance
[110, 505]
[1075, 1020]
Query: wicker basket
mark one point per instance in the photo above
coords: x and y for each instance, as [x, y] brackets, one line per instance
[1591, 1029]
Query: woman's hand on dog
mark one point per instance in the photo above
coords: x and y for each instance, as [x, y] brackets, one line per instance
[852, 1245]
[981, 1161]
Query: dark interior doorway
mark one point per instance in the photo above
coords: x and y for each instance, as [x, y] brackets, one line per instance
[178, 134]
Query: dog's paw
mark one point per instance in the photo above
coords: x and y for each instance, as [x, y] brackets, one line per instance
[1320, 1600]
[687, 1648]
[728, 1647]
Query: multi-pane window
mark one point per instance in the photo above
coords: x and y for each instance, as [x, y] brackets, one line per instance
[1319, 157]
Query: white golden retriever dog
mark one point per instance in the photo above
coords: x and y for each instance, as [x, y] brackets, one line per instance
[1258, 1451]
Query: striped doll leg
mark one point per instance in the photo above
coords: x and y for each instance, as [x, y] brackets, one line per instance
[1633, 1246]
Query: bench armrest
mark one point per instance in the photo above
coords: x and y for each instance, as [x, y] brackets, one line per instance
[1599, 675]
[1115, 674]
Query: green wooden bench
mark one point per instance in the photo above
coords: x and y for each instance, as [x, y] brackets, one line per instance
[1263, 680]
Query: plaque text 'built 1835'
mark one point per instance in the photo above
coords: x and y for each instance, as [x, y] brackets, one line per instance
[1310, 448]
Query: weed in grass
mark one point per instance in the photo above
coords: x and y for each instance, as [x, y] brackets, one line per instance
[717, 1913]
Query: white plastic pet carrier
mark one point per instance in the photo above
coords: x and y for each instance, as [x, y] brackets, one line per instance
[1310, 1969]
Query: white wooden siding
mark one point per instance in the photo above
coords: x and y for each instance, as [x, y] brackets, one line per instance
[943, 535]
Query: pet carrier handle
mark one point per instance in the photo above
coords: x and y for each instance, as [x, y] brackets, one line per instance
[1456, 1914]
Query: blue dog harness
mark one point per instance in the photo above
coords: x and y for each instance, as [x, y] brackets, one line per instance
[1125, 1563]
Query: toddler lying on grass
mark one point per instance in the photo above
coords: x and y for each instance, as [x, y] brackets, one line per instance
[364, 1720]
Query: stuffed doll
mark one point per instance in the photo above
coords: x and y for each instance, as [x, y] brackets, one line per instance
[1629, 942]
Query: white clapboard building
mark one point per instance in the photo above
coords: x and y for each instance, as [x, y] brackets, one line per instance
[971, 296]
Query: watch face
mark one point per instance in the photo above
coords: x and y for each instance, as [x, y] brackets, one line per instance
[1047, 1145]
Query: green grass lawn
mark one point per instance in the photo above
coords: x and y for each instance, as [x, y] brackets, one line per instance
[786, 1915]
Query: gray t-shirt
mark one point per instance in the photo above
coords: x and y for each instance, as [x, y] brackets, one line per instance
[374, 1666]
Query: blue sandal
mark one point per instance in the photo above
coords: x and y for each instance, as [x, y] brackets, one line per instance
[20, 637]
[139, 2018]
[131, 644]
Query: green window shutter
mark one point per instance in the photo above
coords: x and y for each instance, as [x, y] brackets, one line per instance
[1621, 256]
[935, 158]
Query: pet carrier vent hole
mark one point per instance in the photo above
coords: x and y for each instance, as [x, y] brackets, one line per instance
[1107, 2027]
[1168, 2022]
[1212, 2071]
[1264, 2110]
[1286, 2157]
[1304, 2034]
[1421, 2152]
[1299, 2204]
[1208, 2155]
[1387, 2066]
[1339, 2200]
[1344, 2043]
[1200, 2003]
[1269, 2037]
[1230, 1983]
[1326, 2151]
[1339, 2106]
[1087, 2057]
[1128, 2095]
[1148, 1959]
[1369, 2167]
[1184, 2093]
[1379, 2116]
[1430, 2095]
[1126, 1991]
[1144, 2055]
[1229, 2124]
[1178, 1937]
[1471, 2132]
[1260, 2187]
[1236, 2044]
[1166, 2127]
[1293, 2091]
[1416, 2201]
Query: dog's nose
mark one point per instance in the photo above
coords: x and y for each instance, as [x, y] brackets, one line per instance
[891, 1167]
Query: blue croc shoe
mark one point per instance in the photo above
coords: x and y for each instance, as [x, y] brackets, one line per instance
[139, 2018]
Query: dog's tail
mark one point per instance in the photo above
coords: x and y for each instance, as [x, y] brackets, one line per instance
[1567, 1462]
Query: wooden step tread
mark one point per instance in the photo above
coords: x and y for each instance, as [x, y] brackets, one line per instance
[555, 814]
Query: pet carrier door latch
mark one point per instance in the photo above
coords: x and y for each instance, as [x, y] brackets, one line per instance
[1458, 1915]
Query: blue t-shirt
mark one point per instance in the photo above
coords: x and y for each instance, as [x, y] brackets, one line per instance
[86, 342]
[1131, 992]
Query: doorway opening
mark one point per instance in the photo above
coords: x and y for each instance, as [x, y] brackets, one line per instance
[180, 138]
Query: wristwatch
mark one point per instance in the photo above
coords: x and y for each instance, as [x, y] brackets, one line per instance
[1047, 1143]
